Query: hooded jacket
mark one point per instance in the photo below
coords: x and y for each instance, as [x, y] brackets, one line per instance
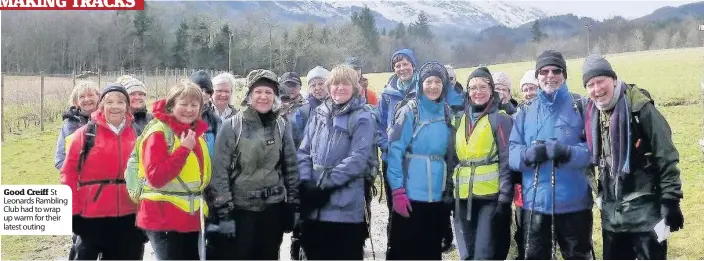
[336, 157]
[407, 165]
[392, 94]
[544, 118]
[141, 118]
[73, 119]
[300, 118]
[106, 162]
[161, 167]
[654, 175]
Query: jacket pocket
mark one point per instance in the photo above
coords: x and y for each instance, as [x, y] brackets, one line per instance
[638, 211]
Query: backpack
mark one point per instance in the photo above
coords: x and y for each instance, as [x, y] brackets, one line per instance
[413, 104]
[135, 183]
[89, 136]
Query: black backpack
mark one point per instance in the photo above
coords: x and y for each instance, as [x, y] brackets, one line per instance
[89, 135]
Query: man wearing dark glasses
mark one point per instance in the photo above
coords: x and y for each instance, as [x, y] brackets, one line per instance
[548, 147]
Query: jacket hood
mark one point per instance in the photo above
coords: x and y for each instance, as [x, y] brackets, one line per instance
[635, 98]
[160, 113]
[406, 52]
[356, 102]
[74, 114]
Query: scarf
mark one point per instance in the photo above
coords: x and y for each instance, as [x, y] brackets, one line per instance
[619, 132]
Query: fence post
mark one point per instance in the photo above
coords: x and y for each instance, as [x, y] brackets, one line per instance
[184, 72]
[73, 75]
[99, 72]
[41, 102]
[2, 105]
[156, 80]
[122, 70]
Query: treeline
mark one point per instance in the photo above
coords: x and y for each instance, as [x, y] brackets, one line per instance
[61, 42]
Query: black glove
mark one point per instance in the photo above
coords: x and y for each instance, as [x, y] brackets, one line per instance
[224, 212]
[502, 214]
[556, 151]
[313, 196]
[227, 228]
[671, 212]
[291, 218]
[535, 154]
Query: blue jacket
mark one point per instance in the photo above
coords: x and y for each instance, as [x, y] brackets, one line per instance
[335, 157]
[432, 139]
[543, 119]
[214, 124]
[393, 93]
[72, 121]
[300, 117]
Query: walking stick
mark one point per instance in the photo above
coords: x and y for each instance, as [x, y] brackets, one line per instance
[369, 231]
[552, 227]
[201, 245]
[532, 207]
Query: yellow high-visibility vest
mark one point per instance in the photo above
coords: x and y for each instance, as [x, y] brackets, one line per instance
[478, 170]
[186, 190]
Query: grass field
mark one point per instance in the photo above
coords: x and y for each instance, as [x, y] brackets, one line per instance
[672, 77]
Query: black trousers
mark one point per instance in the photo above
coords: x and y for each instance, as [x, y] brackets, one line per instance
[573, 233]
[631, 246]
[170, 245]
[333, 241]
[109, 239]
[258, 235]
[502, 238]
[518, 236]
[418, 237]
[389, 205]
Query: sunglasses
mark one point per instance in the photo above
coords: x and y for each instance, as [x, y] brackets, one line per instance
[554, 71]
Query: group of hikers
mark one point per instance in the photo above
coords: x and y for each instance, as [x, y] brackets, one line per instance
[217, 183]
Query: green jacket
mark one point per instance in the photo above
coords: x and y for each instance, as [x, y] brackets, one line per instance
[631, 202]
[255, 163]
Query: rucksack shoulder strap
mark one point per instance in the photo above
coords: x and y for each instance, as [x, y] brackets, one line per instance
[91, 131]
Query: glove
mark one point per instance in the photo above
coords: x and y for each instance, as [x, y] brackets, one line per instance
[313, 196]
[401, 204]
[535, 155]
[227, 228]
[502, 210]
[671, 212]
[292, 217]
[556, 151]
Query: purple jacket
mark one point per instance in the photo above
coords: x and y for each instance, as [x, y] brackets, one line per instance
[334, 157]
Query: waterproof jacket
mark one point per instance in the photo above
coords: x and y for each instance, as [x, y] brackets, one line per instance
[654, 175]
[419, 151]
[99, 189]
[141, 118]
[73, 119]
[214, 122]
[501, 125]
[544, 118]
[393, 92]
[299, 120]
[232, 112]
[255, 163]
[335, 157]
[162, 166]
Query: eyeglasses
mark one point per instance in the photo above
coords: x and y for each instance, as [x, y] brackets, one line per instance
[484, 88]
[554, 71]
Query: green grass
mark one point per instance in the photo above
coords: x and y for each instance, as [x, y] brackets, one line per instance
[672, 77]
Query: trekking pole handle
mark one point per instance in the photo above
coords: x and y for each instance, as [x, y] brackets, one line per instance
[537, 142]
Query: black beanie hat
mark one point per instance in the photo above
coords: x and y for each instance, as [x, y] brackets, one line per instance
[202, 78]
[113, 87]
[482, 72]
[594, 66]
[551, 57]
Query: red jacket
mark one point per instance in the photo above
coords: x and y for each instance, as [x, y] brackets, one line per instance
[518, 196]
[162, 167]
[106, 161]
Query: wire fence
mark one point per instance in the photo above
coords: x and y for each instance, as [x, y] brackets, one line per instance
[34, 101]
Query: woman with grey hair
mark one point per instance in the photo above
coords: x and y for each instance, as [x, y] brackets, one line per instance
[224, 85]
[255, 176]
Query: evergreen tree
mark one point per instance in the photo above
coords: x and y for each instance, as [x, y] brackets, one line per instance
[180, 49]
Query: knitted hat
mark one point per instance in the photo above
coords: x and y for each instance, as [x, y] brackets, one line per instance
[131, 84]
[528, 77]
[202, 78]
[502, 78]
[551, 57]
[433, 69]
[484, 73]
[450, 71]
[595, 65]
[317, 72]
[114, 87]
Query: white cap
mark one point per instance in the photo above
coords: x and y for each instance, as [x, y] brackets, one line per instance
[317, 72]
[528, 77]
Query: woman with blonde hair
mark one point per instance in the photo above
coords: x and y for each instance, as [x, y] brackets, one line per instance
[103, 214]
[175, 163]
[333, 158]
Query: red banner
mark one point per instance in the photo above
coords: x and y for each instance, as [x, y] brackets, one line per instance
[71, 4]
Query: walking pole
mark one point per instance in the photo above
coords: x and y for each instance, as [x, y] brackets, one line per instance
[201, 244]
[532, 207]
[552, 227]
[369, 231]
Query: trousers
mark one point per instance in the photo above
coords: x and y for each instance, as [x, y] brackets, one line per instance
[630, 246]
[573, 233]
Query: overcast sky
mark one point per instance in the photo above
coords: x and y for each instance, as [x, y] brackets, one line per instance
[600, 9]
